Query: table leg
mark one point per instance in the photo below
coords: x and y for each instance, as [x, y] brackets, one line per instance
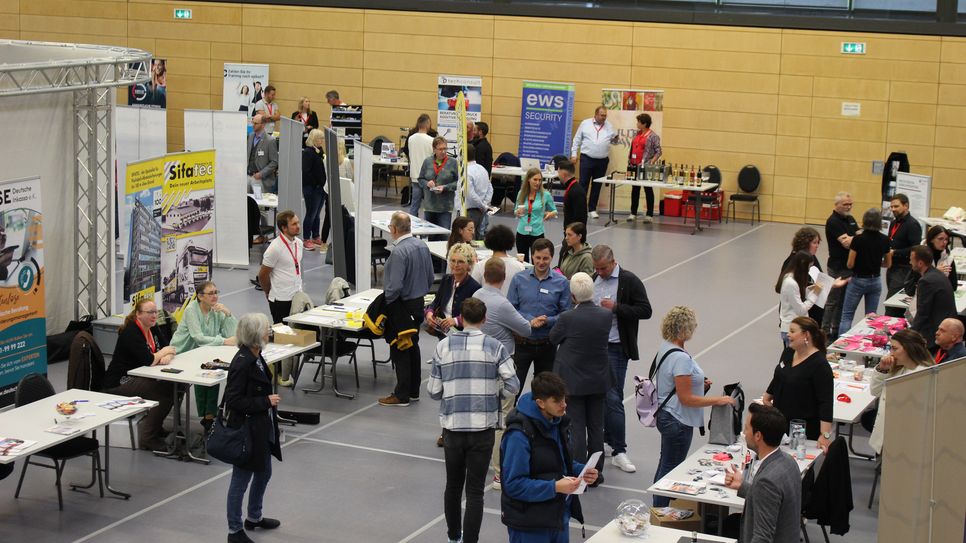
[697, 214]
[611, 220]
[335, 374]
[323, 336]
[851, 426]
[277, 370]
[107, 465]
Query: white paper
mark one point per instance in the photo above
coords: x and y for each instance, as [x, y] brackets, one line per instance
[591, 463]
[825, 281]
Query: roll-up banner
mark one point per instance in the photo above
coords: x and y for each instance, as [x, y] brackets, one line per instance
[153, 93]
[624, 105]
[23, 324]
[244, 84]
[546, 119]
[142, 199]
[447, 117]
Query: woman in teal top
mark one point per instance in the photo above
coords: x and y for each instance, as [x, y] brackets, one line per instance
[205, 322]
[534, 206]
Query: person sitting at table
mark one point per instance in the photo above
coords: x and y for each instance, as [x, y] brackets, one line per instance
[443, 314]
[934, 299]
[802, 386]
[575, 255]
[140, 343]
[204, 322]
[938, 240]
[500, 240]
[869, 253]
[908, 354]
[809, 240]
[462, 231]
[949, 341]
[534, 206]
[677, 374]
[791, 288]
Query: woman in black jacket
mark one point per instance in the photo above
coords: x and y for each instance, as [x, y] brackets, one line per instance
[443, 313]
[313, 189]
[308, 118]
[249, 397]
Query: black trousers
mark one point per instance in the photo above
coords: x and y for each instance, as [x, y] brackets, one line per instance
[590, 169]
[540, 356]
[407, 363]
[151, 427]
[280, 310]
[636, 197]
[524, 242]
[587, 421]
[895, 279]
[467, 459]
[833, 308]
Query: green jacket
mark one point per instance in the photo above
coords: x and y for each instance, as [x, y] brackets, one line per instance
[196, 330]
[577, 262]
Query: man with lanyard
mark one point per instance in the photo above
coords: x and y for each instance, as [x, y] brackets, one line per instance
[262, 155]
[575, 197]
[592, 143]
[904, 234]
[645, 149]
[281, 272]
[268, 109]
[840, 228]
[949, 341]
[540, 296]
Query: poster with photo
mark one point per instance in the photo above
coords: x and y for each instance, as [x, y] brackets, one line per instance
[142, 199]
[447, 118]
[243, 84]
[623, 107]
[23, 323]
[153, 93]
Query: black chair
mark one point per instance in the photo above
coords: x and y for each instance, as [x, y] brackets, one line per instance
[379, 254]
[382, 172]
[749, 179]
[710, 196]
[34, 387]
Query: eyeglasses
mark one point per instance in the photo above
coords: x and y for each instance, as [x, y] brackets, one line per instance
[152, 312]
[211, 293]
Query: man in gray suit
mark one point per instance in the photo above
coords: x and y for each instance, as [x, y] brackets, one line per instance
[262, 156]
[772, 487]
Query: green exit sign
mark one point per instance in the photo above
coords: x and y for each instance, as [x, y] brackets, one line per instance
[853, 48]
[182, 14]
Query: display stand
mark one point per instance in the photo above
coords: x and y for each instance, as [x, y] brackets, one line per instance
[363, 180]
[347, 122]
[290, 166]
[335, 206]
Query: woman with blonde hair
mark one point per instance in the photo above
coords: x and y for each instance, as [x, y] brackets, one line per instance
[313, 188]
[443, 314]
[534, 206]
[308, 118]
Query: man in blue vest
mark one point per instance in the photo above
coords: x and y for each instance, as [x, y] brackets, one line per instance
[538, 475]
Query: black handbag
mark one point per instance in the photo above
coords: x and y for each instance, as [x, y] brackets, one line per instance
[230, 445]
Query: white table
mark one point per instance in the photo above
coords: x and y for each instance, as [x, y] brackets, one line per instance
[330, 320]
[611, 533]
[698, 191]
[959, 257]
[420, 227]
[30, 422]
[725, 499]
[377, 160]
[865, 347]
[517, 171]
[267, 201]
[901, 300]
[860, 394]
[191, 374]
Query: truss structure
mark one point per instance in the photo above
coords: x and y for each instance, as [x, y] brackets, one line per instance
[90, 72]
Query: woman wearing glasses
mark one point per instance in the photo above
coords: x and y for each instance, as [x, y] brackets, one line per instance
[205, 322]
[141, 342]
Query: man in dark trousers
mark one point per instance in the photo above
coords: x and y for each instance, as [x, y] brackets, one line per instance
[934, 295]
[773, 491]
[840, 228]
[575, 196]
[484, 151]
[904, 234]
[408, 277]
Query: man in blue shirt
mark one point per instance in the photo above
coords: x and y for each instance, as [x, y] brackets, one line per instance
[540, 296]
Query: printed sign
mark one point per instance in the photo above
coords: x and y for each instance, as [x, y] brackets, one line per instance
[546, 119]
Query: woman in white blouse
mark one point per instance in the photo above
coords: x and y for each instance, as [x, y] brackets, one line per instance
[791, 288]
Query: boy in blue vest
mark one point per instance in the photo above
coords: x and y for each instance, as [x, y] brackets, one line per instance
[538, 473]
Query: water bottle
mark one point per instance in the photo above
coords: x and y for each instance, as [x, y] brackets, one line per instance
[800, 449]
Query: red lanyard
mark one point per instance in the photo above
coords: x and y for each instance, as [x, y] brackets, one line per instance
[530, 208]
[305, 118]
[599, 129]
[894, 229]
[294, 255]
[567, 190]
[147, 337]
[437, 169]
[940, 355]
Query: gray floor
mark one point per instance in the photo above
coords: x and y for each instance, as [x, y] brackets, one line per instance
[369, 473]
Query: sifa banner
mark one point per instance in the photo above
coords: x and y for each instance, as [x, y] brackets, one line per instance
[546, 119]
[23, 324]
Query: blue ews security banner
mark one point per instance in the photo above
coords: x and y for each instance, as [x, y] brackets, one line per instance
[546, 119]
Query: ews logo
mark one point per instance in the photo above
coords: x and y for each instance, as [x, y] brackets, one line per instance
[545, 100]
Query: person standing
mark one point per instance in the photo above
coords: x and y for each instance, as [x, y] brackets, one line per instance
[268, 109]
[840, 229]
[580, 335]
[539, 475]
[592, 143]
[934, 297]
[484, 151]
[540, 296]
[535, 205]
[332, 98]
[868, 253]
[306, 116]
[262, 156]
[471, 372]
[479, 191]
[281, 273]
[773, 488]
[575, 256]
[407, 278]
[809, 240]
[438, 181]
[419, 147]
[313, 187]
[499, 239]
[575, 197]
[645, 149]
[792, 289]
[904, 234]
[623, 294]
[249, 401]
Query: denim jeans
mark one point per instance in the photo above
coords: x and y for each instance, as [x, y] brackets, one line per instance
[439, 218]
[614, 432]
[869, 288]
[314, 200]
[417, 199]
[240, 478]
[675, 443]
[467, 459]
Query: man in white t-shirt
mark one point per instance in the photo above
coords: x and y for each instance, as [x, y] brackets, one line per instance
[281, 272]
[268, 109]
[420, 147]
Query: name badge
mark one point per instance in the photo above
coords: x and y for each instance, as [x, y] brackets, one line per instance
[544, 291]
[261, 153]
[528, 229]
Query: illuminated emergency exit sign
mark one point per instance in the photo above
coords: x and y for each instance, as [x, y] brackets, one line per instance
[182, 14]
[853, 48]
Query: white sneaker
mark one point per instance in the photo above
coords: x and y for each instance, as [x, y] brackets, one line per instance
[594, 215]
[623, 463]
[631, 217]
[646, 219]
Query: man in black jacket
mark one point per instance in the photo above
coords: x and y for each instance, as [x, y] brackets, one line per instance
[840, 228]
[934, 295]
[575, 197]
[484, 151]
[621, 292]
[904, 234]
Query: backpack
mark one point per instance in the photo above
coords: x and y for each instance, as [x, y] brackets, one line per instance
[725, 423]
[645, 392]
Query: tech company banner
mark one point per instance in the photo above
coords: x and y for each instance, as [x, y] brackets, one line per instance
[546, 119]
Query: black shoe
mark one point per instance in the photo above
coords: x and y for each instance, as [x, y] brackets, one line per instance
[240, 537]
[206, 423]
[265, 524]
[256, 284]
